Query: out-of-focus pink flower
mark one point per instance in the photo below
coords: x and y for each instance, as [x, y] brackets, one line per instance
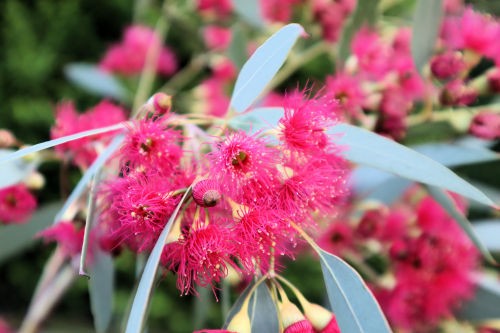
[16, 204]
[347, 91]
[337, 238]
[457, 93]
[486, 125]
[66, 235]
[494, 80]
[484, 42]
[215, 101]
[453, 6]
[278, 10]
[371, 53]
[4, 326]
[332, 15]
[213, 331]
[130, 56]
[219, 9]
[83, 151]
[448, 65]
[216, 37]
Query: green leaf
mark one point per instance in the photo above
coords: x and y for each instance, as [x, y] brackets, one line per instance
[51, 143]
[484, 305]
[137, 316]
[237, 50]
[95, 80]
[447, 203]
[488, 231]
[15, 171]
[426, 23]
[352, 302]
[262, 311]
[250, 12]
[263, 65]
[18, 237]
[101, 290]
[365, 147]
[364, 14]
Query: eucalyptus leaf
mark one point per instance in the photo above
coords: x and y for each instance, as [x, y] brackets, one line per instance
[354, 305]
[426, 23]
[257, 119]
[488, 232]
[250, 11]
[447, 203]
[101, 290]
[367, 148]
[18, 237]
[238, 304]
[51, 143]
[15, 171]
[484, 304]
[262, 311]
[137, 316]
[95, 80]
[263, 65]
[365, 13]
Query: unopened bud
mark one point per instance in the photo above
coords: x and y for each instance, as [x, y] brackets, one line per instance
[320, 318]
[162, 103]
[35, 181]
[206, 193]
[240, 322]
[7, 139]
[293, 320]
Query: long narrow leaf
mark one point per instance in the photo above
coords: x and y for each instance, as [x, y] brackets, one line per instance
[447, 203]
[101, 290]
[14, 171]
[263, 65]
[137, 314]
[55, 142]
[426, 23]
[365, 147]
[262, 311]
[488, 231]
[354, 305]
[484, 305]
[87, 176]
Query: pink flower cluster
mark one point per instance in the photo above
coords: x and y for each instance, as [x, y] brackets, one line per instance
[427, 254]
[130, 56]
[83, 152]
[17, 204]
[246, 192]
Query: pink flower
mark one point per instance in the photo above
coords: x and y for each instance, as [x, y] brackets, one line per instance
[67, 236]
[150, 145]
[486, 125]
[214, 97]
[220, 9]
[331, 15]
[457, 93]
[371, 53]
[278, 10]
[216, 37]
[483, 43]
[129, 57]
[448, 65]
[4, 326]
[337, 238]
[17, 204]
[68, 121]
[346, 89]
[201, 255]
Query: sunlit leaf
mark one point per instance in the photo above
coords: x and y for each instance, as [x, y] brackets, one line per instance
[367, 148]
[51, 143]
[447, 203]
[426, 23]
[249, 11]
[488, 232]
[137, 316]
[18, 237]
[354, 305]
[263, 65]
[101, 290]
[365, 14]
[14, 171]
[95, 80]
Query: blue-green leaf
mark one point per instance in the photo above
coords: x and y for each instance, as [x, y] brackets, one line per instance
[51, 143]
[263, 65]
[488, 232]
[262, 311]
[257, 119]
[426, 23]
[16, 238]
[250, 11]
[364, 14]
[15, 171]
[238, 304]
[95, 80]
[356, 309]
[87, 176]
[447, 203]
[101, 290]
[484, 305]
[137, 316]
[365, 147]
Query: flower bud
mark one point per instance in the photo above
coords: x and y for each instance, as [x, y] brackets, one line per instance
[486, 125]
[162, 103]
[321, 319]
[293, 320]
[206, 193]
